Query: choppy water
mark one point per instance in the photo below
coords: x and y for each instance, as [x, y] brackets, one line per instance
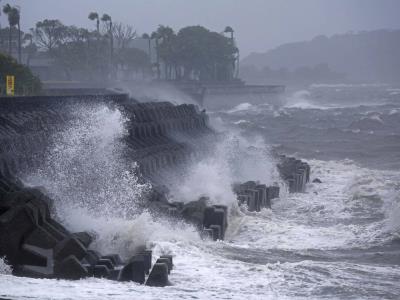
[340, 240]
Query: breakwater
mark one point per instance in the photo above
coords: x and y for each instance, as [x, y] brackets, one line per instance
[162, 139]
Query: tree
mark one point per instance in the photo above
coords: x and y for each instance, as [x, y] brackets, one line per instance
[134, 60]
[26, 83]
[4, 38]
[228, 29]
[155, 36]
[95, 16]
[17, 12]
[109, 25]
[13, 20]
[205, 55]
[147, 37]
[49, 34]
[167, 48]
[31, 48]
[123, 34]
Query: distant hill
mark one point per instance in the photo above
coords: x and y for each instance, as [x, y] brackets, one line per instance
[372, 56]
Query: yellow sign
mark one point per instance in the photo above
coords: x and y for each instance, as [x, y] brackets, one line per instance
[10, 83]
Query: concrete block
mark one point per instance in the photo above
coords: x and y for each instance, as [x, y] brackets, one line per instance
[170, 261]
[70, 268]
[134, 270]
[70, 246]
[164, 261]
[158, 276]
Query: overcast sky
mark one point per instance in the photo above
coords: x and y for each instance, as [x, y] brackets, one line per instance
[259, 24]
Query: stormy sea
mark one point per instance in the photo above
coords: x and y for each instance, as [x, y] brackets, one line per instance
[338, 240]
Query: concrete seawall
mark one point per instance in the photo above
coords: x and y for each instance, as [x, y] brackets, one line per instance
[162, 138]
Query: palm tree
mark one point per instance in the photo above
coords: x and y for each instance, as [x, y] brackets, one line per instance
[95, 16]
[31, 48]
[228, 29]
[148, 38]
[108, 21]
[13, 19]
[0, 15]
[156, 36]
[166, 34]
[17, 12]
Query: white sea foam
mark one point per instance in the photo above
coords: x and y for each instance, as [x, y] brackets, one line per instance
[85, 166]
[354, 207]
[4, 267]
[93, 186]
[321, 218]
[241, 122]
[348, 85]
[302, 99]
[299, 223]
[241, 107]
[234, 159]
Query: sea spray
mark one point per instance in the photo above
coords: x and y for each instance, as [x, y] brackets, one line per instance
[4, 267]
[88, 175]
[124, 236]
[232, 159]
[86, 167]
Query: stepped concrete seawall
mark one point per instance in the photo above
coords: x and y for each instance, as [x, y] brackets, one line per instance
[162, 139]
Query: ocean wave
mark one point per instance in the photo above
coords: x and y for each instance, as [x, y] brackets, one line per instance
[351, 208]
[372, 122]
[348, 85]
[302, 100]
[241, 107]
[4, 267]
[241, 122]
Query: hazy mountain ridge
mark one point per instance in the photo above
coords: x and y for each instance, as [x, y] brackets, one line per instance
[364, 56]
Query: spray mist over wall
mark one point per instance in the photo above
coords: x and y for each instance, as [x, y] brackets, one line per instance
[233, 159]
[85, 167]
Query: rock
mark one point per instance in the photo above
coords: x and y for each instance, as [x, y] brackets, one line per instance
[225, 209]
[164, 261]
[91, 257]
[158, 276]
[70, 246]
[221, 220]
[70, 268]
[99, 271]
[170, 261]
[15, 225]
[105, 262]
[41, 238]
[317, 180]
[207, 233]
[134, 270]
[147, 256]
[194, 211]
[36, 269]
[115, 258]
[216, 230]
[215, 217]
[84, 237]
[208, 219]
[114, 274]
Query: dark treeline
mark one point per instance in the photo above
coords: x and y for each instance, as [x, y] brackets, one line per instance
[110, 51]
[195, 53]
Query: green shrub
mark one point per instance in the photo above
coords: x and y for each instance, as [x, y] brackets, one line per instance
[25, 82]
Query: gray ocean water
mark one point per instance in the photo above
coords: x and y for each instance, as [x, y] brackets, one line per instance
[339, 240]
